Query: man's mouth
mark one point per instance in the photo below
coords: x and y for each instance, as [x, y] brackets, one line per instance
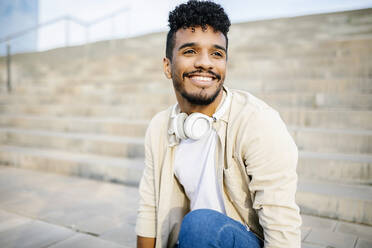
[202, 81]
[200, 76]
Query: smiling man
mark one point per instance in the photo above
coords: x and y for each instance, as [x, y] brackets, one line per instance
[220, 164]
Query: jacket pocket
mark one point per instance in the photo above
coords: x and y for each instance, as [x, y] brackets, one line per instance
[236, 185]
[237, 189]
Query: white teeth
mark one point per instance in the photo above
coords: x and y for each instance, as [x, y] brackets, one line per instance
[202, 78]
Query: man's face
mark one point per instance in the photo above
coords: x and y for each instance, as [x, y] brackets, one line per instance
[198, 64]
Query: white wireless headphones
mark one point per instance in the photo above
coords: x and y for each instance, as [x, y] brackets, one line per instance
[196, 125]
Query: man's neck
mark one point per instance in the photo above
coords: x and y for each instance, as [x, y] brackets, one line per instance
[189, 108]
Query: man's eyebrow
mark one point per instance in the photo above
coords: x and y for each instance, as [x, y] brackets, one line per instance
[190, 44]
[220, 47]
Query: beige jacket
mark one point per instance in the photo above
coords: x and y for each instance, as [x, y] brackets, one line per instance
[256, 168]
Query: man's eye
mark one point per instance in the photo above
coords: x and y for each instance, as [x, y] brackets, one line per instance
[189, 51]
[219, 54]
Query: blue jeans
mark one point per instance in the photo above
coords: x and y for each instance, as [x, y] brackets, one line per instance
[203, 228]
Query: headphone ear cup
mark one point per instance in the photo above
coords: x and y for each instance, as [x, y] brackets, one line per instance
[197, 125]
[178, 124]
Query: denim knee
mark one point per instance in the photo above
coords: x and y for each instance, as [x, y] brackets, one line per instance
[197, 222]
[209, 228]
[193, 220]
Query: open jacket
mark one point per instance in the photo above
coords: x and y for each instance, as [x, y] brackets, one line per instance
[256, 162]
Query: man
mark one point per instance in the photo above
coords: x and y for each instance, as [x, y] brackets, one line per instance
[220, 165]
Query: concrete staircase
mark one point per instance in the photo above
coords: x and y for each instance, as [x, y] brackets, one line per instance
[84, 110]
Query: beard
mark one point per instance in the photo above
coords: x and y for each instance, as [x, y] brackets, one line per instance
[198, 98]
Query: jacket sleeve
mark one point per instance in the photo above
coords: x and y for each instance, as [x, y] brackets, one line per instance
[146, 216]
[271, 159]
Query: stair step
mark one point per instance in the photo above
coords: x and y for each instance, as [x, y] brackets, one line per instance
[108, 126]
[281, 99]
[73, 110]
[338, 201]
[312, 139]
[318, 100]
[120, 146]
[301, 38]
[106, 168]
[327, 118]
[309, 67]
[300, 85]
[89, 86]
[157, 98]
[332, 140]
[333, 167]
[321, 51]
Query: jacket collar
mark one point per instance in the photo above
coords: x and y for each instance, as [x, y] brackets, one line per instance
[225, 116]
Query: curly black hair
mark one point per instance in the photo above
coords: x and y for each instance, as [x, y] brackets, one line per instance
[196, 14]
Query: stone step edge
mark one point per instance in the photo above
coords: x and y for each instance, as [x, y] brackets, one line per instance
[119, 120]
[348, 191]
[76, 135]
[23, 98]
[362, 158]
[258, 86]
[74, 118]
[355, 157]
[61, 81]
[233, 83]
[165, 93]
[363, 132]
[336, 200]
[105, 168]
[160, 107]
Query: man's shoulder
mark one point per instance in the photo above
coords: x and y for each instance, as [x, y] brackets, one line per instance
[252, 118]
[246, 105]
[159, 121]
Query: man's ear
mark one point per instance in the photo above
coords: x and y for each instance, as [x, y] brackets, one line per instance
[167, 68]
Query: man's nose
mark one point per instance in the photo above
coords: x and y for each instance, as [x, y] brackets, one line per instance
[204, 61]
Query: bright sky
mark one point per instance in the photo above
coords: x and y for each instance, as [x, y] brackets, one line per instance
[150, 16]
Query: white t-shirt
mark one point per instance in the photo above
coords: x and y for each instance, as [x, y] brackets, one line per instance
[196, 171]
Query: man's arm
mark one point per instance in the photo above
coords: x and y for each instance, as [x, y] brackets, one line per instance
[144, 242]
[271, 162]
[146, 218]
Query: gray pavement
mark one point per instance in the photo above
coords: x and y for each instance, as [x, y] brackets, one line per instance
[40, 210]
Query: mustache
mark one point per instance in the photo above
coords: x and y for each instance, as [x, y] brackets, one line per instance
[187, 74]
